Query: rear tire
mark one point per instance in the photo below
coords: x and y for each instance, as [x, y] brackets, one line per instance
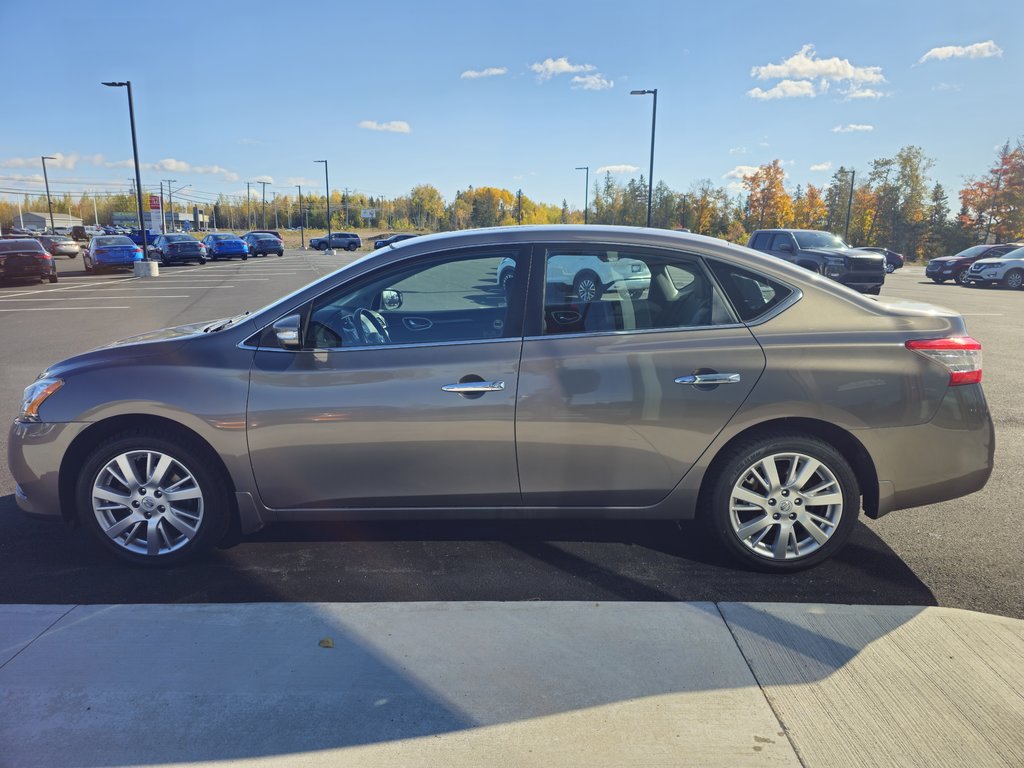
[53, 278]
[587, 287]
[761, 507]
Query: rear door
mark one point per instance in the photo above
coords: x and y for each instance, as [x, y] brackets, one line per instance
[619, 396]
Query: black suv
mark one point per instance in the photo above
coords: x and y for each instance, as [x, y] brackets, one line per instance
[955, 267]
[824, 253]
[348, 241]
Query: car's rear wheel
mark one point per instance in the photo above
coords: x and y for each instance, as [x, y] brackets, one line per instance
[202, 261]
[1014, 279]
[783, 502]
[53, 277]
[152, 498]
[587, 287]
[962, 278]
[351, 247]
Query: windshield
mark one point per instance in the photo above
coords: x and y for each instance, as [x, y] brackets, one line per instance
[819, 240]
[179, 238]
[7, 246]
[112, 240]
[223, 237]
[974, 250]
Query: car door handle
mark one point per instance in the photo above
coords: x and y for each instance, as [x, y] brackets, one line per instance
[709, 378]
[474, 387]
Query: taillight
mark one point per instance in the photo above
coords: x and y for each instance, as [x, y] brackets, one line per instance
[961, 355]
[44, 255]
[138, 249]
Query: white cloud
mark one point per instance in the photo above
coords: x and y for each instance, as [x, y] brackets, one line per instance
[293, 181]
[550, 67]
[804, 65]
[853, 128]
[621, 168]
[258, 179]
[170, 164]
[739, 172]
[784, 90]
[827, 165]
[976, 51]
[737, 150]
[857, 92]
[60, 160]
[473, 74]
[393, 126]
[593, 82]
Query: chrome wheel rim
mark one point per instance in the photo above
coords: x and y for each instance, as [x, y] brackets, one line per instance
[785, 506]
[586, 289]
[147, 502]
[1014, 280]
[962, 278]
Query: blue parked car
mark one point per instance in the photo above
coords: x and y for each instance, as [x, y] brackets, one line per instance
[110, 251]
[224, 245]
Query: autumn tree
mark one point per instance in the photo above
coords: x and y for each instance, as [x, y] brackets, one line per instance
[768, 200]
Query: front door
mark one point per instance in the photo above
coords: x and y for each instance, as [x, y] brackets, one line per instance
[403, 394]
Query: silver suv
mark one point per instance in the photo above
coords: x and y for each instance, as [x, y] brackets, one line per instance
[587, 277]
[1006, 270]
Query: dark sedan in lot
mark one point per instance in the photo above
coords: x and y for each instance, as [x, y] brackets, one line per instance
[260, 244]
[171, 249]
[768, 401]
[26, 259]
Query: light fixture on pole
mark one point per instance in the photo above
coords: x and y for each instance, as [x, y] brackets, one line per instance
[327, 184]
[135, 151]
[654, 121]
[586, 190]
[49, 205]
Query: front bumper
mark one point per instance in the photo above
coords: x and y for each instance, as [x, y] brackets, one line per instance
[34, 454]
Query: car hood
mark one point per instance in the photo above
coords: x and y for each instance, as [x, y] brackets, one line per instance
[845, 252]
[949, 259]
[993, 261]
[141, 345]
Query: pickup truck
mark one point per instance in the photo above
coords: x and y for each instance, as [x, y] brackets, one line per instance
[824, 253]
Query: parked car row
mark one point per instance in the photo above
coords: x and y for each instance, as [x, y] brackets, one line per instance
[999, 264]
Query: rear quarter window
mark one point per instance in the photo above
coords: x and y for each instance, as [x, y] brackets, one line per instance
[753, 295]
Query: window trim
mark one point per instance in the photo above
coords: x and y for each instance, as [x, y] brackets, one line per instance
[795, 294]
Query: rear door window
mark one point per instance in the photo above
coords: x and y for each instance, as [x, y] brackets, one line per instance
[752, 295]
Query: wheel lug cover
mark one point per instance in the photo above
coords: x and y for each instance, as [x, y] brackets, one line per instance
[776, 516]
[792, 516]
[771, 502]
[142, 491]
[785, 493]
[135, 503]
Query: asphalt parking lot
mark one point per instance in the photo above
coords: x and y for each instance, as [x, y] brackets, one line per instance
[965, 553]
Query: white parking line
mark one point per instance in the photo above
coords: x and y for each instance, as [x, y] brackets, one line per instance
[55, 309]
[97, 298]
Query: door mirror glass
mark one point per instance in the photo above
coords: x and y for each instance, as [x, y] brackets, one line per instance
[287, 331]
[391, 300]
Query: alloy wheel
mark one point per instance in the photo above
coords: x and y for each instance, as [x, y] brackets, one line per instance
[586, 288]
[785, 506]
[147, 502]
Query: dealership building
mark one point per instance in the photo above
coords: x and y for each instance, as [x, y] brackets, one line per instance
[34, 220]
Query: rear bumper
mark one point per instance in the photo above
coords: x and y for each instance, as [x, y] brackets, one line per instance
[950, 456]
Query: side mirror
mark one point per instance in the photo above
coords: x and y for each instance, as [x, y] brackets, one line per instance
[287, 331]
[391, 300]
[788, 247]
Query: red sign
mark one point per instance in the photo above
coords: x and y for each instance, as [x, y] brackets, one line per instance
[154, 202]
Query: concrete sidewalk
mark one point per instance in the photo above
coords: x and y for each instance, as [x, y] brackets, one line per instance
[509, 684]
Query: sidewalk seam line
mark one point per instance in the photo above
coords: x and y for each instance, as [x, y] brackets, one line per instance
[41, 633]
[767, 699]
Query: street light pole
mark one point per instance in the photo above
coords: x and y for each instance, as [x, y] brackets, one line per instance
[586, 191]
[302, 229]
[138, 174]
[264, 184]
[849, 206]
[248, 217]
[170, 198]
[327, 183]
[654, 122]
[49, 205]
[170, 205]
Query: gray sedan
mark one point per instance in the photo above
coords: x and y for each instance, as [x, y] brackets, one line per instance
[771, 403]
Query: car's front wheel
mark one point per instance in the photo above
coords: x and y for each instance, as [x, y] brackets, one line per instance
[587, 287]
[962, 278]
[152, 498]
[890, 268]
[1014, 279]
[783, 502]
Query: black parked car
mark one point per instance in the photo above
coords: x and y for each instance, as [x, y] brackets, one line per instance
[26, 259]
[348, 241]
[273, 232]
[261, 243]
[893, 260]
[385, 242]
[169, 249]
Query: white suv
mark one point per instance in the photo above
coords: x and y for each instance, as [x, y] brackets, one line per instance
[1007, 269]
[586, 277]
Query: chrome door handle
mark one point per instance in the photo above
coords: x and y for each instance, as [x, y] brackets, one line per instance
[709, 378]
[473, 387]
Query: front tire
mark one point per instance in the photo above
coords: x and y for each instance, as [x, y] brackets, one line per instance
[587, 287]
[152, 498]
[961, 278]
[783, 502]
[890, 268]
[1014, 279]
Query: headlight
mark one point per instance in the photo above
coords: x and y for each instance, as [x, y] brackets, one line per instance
[35, 395]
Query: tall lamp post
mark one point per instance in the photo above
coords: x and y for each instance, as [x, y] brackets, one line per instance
[302, 229]
[264, 184]
[49, 204]
[327, 184]
[135, 151]
[586, 191]
[654, 121]
[849, 205]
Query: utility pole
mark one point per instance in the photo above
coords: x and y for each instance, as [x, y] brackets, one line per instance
[277, 224]
[163, 213]
[49, 204]
[264, 225]
[327, 185]
[248, 216]
[170, 204]
[849, 206]
[95, 211]
[586, 190]
[519, 205]
[302, 229]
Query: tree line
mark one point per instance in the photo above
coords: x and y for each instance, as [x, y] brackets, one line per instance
[891, 203]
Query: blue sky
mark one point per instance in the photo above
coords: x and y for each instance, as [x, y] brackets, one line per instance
[225, 94]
